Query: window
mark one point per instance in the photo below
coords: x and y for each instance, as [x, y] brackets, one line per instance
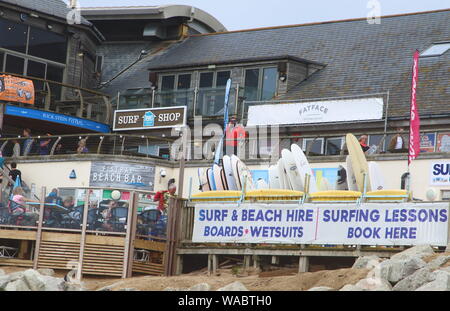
[222, 78]
[260, 83]
[2, 57]
[55, 73]
[333, 145]
[167, 83]
[175, 91]
[14, 64]
[206, 79]
[13, 36]
[211, 95]
[315, 146]
[36, 69]
[47, 45]
[436, 49]
[98, 63]
[184, 81]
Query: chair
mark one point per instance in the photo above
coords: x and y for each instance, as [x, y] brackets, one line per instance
[119, 216]
[148, 221]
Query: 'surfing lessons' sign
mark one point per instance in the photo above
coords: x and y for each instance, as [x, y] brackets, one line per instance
[316, 112]
[122, 175]
[369, 224]
[440, 173]
[151, 118]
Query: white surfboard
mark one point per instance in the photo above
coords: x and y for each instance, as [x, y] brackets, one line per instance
[210, 177]
[203, 180]
[351, 179]
[281, 176]
[228, 170]
[292, 171]
[241, 173]
[274, 177]
[303, 166]
[376, 177]
[261, 184]
[218, 178]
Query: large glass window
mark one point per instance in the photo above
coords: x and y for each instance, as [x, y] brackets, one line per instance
[167, 83]
[47, 45]
[2, 57]
[315, 146]
[269, 86]
[211, 95]
[36, 69]
[251, 84]
[206, 79]
[14, 64]
[222, 78]
[55, 73]
[13, 36]
[184, 81]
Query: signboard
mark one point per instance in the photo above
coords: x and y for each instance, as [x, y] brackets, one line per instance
[368, 224]
[316, 112]
[440, 173]
[427, 142]
[14, 89]
[151, 118]
[443, 142]
[56, 118]
[122, 175]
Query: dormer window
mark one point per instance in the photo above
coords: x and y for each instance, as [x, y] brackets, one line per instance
[437, 49]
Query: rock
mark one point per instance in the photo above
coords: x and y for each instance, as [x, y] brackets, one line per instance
[2, 272]
[321, 289]
[415, 280]
[438, 262]
[441, 282]
[53, 284]
[19, 285]
[350, 288]
[34, 280]
[4, 280]
[128, 289]
[202, 287]
[105, 288]
[416, 251]
[233, 287]
[395, 270]
[366, 262]
[374, 284]
[173, 289]
[16, 275]
[72, 287]
[47, 272]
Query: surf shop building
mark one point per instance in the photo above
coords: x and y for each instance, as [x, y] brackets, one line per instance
[318, 82]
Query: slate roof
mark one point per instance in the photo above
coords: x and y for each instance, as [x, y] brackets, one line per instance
[56, 8]
[360, 58]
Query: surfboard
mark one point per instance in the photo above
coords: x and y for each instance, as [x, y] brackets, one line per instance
[261, 184]
[210, 177]
[283, 174]
[281, 177]
[218, 178]
[292, 171]
[359, 162]
[303, 166]
[376, 177]
[274, 177]
[203, 180]
[351, 179]
[241, 173]
[228, 170]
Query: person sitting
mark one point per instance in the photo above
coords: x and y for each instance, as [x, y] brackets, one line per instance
[107, 215]
[397, 143]
[363, 142]
[49, 215]
[18, 206]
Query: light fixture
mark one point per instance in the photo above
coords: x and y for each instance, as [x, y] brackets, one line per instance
[163, 173]
[283, 77]
[49, 26]
[115, 195]
[34, 15]
[211, 66]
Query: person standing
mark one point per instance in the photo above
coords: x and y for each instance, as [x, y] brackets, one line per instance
[28, 143]
[16, 149]
[14, 172]
[44, 146]
[398, 142]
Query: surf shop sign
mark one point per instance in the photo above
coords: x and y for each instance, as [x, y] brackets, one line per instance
[440, 173]
[122, 175]
[145, 119]
[316, 112]
[369, 224]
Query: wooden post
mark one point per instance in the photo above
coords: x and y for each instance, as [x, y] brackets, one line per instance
[209, 264]
[39, 229]
[303, 264]
[256, 262]
[275, 260]
[214, 264]
[83, 236]
[133, 225]
[179, 265]
[126, 257]
[246, 263]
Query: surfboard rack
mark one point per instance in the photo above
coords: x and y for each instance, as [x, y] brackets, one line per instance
[383, 198]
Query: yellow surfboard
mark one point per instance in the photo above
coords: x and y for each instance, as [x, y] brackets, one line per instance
[387, 195]
[273, 195]
[359, 162]
[211, 196]
[335, 195]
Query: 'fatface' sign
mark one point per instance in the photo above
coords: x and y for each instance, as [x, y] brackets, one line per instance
[152, 118]
[122, 175]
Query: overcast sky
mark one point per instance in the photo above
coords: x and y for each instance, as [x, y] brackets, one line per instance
[244, 14]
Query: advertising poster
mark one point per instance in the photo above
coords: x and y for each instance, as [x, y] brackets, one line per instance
[427, 142]
[443, 142]
[14, 89]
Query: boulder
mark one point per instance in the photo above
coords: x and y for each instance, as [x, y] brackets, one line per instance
[440, 283]
[45, 271]
[72, 287]
[233, 287]
[415, 280]
[173, 289]
[129, 289]
[438, 262]
[15, 275]
[374, 284]
[34, 280]
[4, 280]
[53, 284]
[395, 270]
[416, 251]
[201, 287]
[19, 285]
[321, 289]
[366, 262]
[2, 272]
[350, 288]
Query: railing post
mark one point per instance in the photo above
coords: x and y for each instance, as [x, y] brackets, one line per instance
[131, 234]
[54, 145]
[39, 229]
[100, 144]
[83, 236]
